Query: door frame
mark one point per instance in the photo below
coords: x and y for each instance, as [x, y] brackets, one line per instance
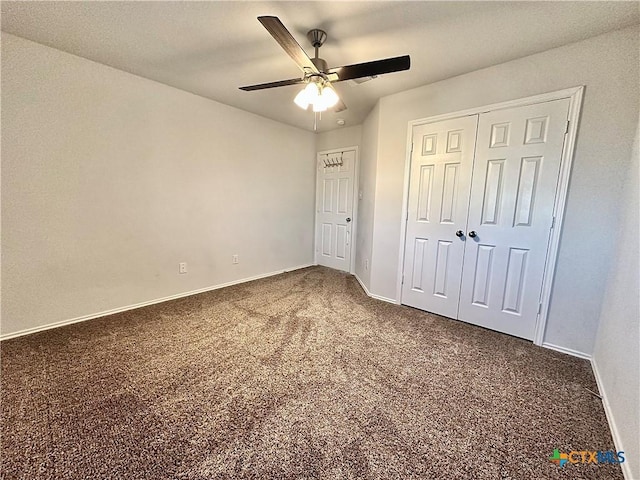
[354, 212]
[575, 95]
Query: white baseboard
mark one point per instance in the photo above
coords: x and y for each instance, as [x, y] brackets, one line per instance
[364, 287]
[568, 351]
[49, 326]
[373, 295]
[626, 468]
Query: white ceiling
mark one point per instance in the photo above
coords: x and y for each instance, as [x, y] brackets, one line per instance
[212, 48]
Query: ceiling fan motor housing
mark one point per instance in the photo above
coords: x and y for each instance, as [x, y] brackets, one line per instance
[320, 64]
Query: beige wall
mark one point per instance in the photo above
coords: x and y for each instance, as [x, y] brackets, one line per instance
[617, 352]
[342, 137]
[608, 66]
[366, 205]
[110, 180]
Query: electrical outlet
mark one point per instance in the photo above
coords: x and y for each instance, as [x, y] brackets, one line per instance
[182, 267]
[234, 259]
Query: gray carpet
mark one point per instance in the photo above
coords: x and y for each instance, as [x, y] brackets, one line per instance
[298, 376]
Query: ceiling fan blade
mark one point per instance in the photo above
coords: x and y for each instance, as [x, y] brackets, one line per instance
[280, 33]
[281, 83]
[369, 69]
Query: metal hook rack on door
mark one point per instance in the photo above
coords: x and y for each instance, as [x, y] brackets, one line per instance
[334, 162]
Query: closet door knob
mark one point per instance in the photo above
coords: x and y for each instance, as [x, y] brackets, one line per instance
[473, 234]
[459, 233]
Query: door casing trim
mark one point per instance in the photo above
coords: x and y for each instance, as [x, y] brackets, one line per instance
[575, 95]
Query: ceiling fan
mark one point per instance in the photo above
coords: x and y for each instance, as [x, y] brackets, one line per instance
[318, 77]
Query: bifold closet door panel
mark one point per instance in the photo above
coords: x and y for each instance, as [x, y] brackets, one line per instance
[439, 186]
[515, 175]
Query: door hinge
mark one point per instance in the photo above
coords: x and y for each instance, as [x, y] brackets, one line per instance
[402, 279]
[539, 308]
[567, 128]
[553, 221]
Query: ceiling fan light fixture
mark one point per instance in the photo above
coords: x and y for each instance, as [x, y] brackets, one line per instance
[320, 96]
[301, 99]
[330, 96]
[308, 95]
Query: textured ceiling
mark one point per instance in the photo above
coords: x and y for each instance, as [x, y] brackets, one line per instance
[212, 48]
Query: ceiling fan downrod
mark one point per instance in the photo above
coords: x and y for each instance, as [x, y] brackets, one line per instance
[317, 38]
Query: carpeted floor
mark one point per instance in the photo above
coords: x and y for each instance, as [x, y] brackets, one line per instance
[295, 376]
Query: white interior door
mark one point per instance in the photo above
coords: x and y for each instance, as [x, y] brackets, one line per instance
[515, 174]
[439, 185]
[334, 209]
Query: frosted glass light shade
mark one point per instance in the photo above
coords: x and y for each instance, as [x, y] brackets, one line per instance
[301, 99]
[319, 97]
[330, 96]
[307, 96]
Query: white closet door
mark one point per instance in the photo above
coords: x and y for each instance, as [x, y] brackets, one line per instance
[334, 209]
[439, 185]
[515, 174]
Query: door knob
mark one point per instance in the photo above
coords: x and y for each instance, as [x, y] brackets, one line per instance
[473, 234]
[348, 219]
[459, 233]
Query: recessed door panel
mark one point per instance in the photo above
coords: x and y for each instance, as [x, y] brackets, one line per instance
[341, 241]
[326, 239]
[482, 275]
[424, 193]
[417, 269]
[442, 268]
[449, 193]
[429, 144]
[492, 192]
[499, 135]
[536, 130]
[343, 195]
[527, 189]
[514, 284]
[454, 141]
[327, 196]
